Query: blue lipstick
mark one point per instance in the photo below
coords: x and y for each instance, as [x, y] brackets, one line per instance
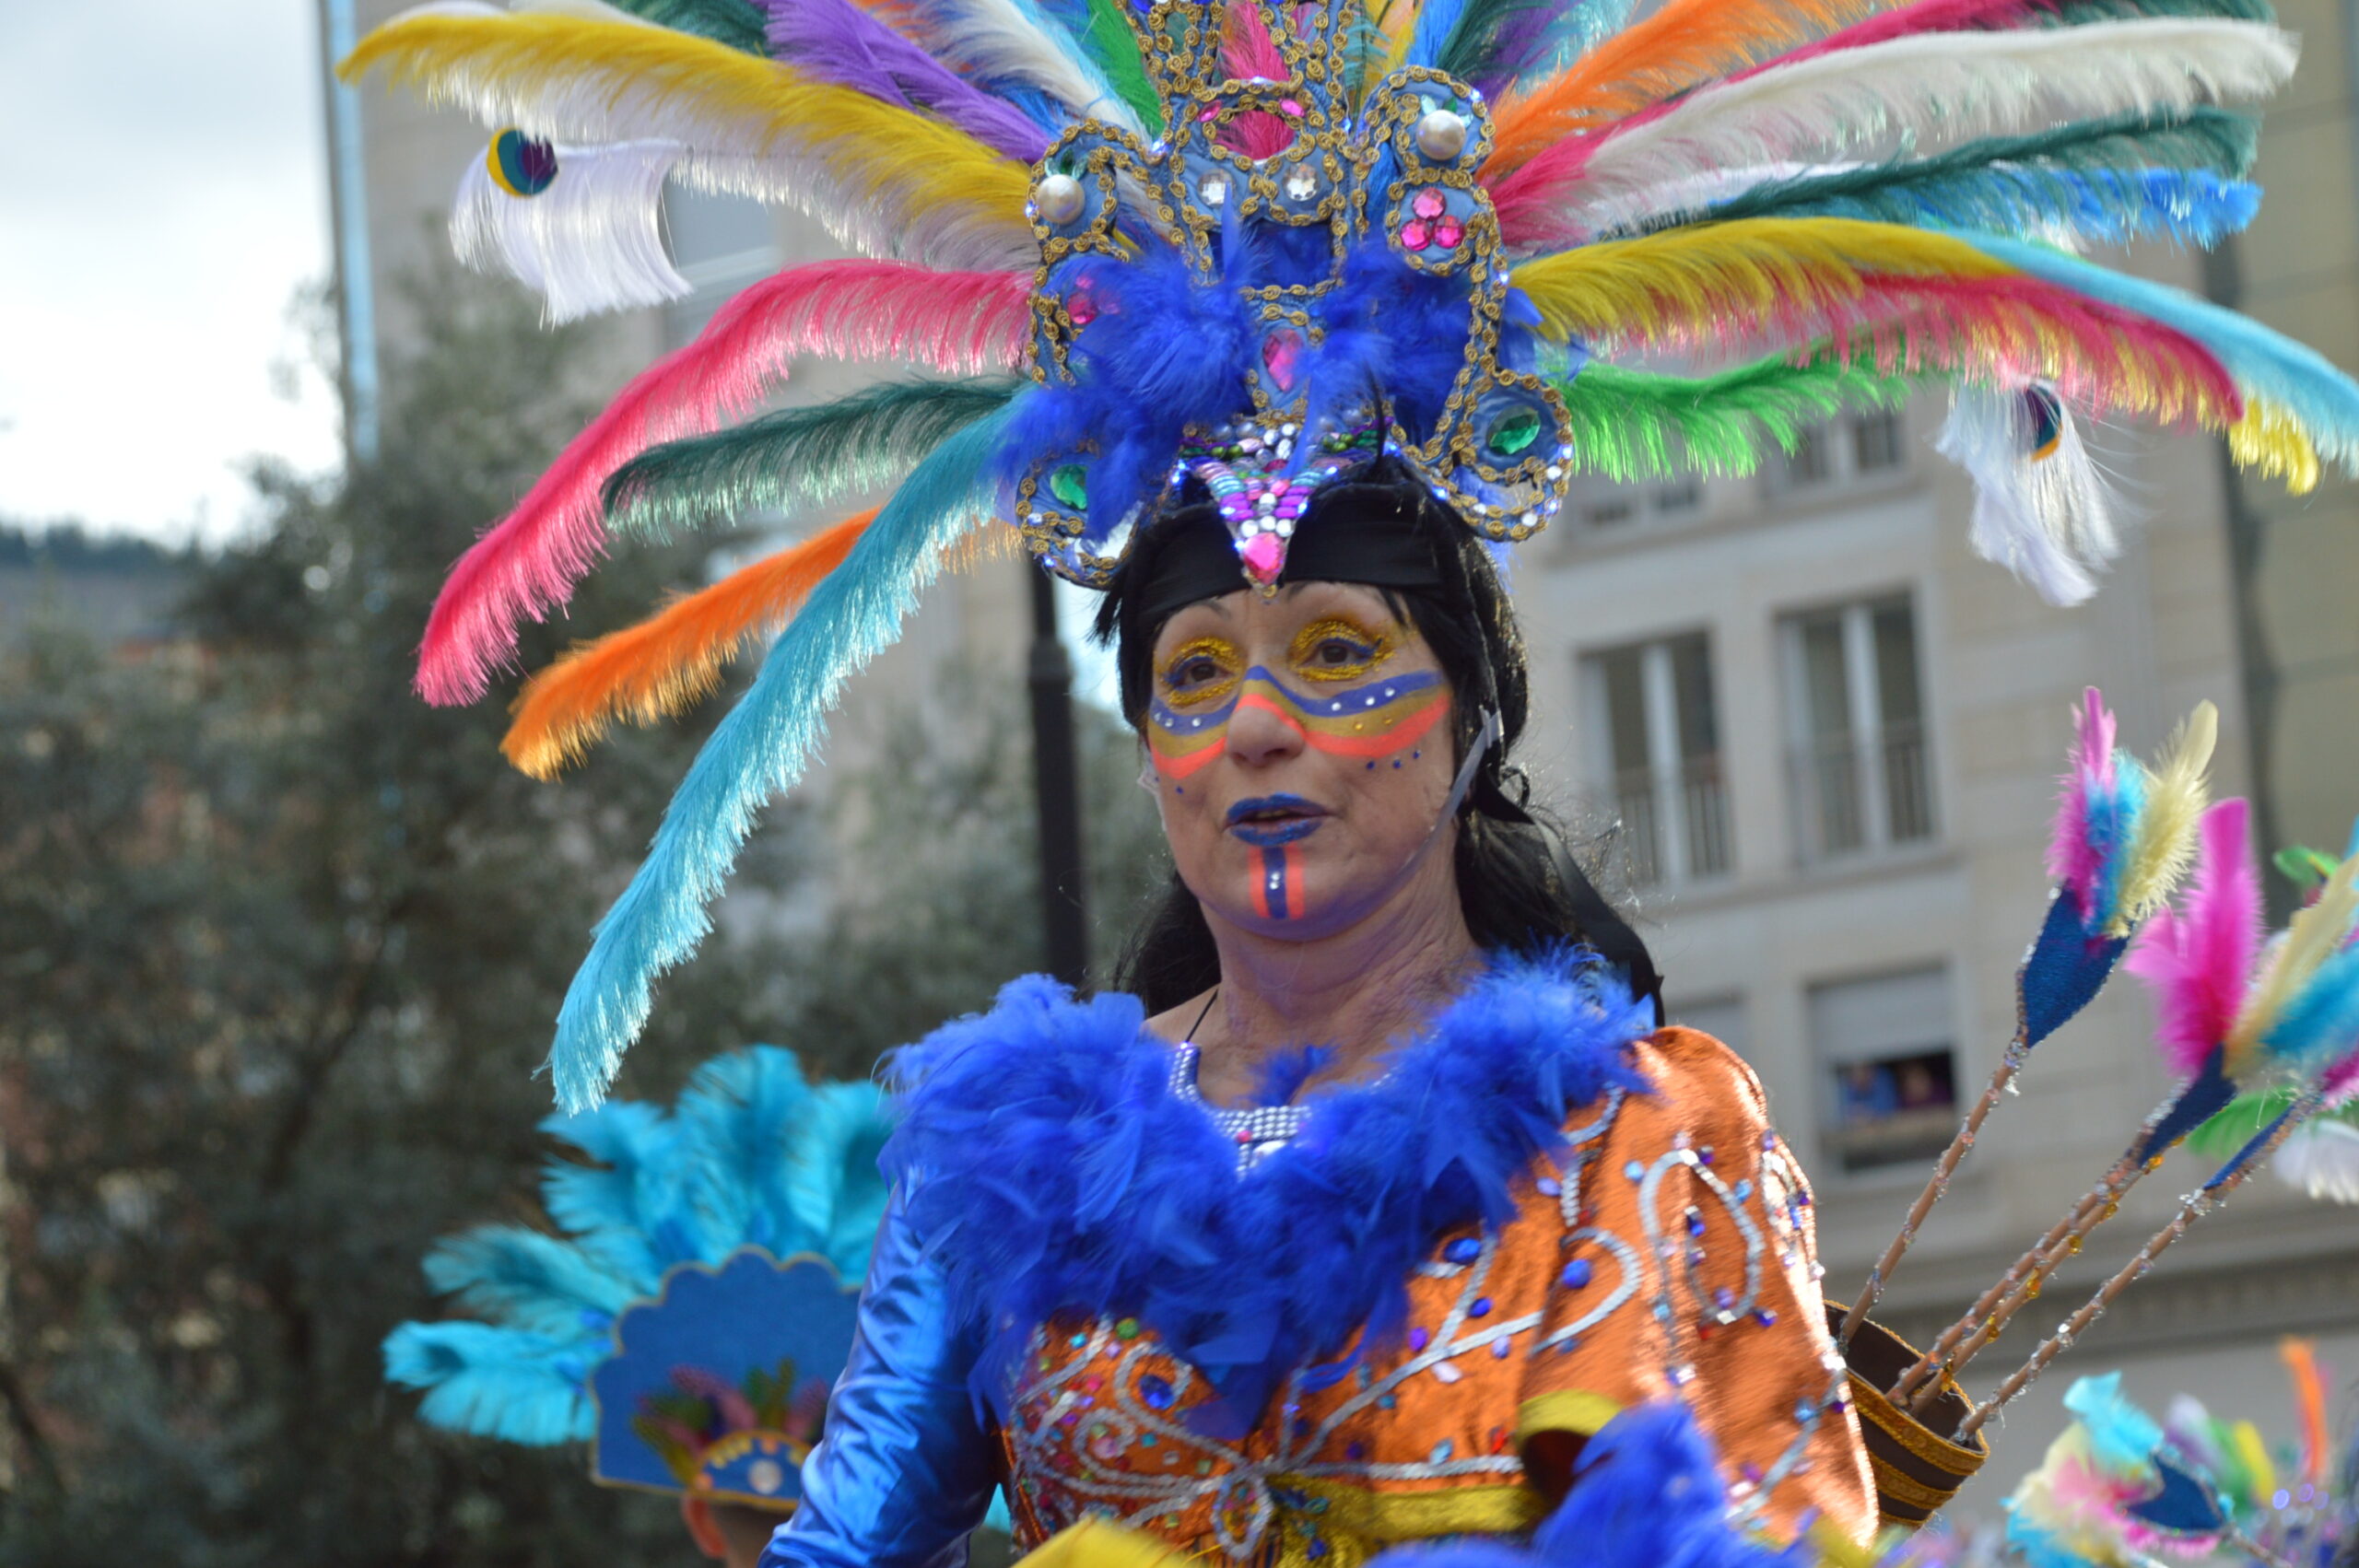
[1290, 818]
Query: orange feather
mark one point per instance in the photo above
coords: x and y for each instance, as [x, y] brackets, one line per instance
[1685, 45]
[649, 672]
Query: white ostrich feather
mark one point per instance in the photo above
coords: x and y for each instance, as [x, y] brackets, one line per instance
[2322, 1159]
[1010, 38]
[591, 242]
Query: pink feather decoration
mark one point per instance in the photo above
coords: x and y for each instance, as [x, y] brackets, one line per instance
[2199, 959]
[1248, 50]
[2073, 859]
[952, 321]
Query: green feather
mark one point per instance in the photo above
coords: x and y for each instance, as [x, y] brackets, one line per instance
[1966, 189]
[2232, 1128]
[1635, 425]
[737, 23]
[795, 457]
[1113, 43]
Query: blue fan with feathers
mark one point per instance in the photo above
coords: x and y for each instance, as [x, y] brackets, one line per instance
[696, 1300]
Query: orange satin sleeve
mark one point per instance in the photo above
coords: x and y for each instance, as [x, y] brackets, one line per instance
[1690, 1269]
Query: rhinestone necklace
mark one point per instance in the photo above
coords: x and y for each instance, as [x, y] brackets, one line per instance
[1258, 1131]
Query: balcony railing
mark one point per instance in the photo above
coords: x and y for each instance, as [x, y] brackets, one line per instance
[1693, 803]
[1851, 798]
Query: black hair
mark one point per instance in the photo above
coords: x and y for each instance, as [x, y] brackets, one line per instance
[1519, 885]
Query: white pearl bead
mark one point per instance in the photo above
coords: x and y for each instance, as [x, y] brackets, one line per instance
[1441, 135]
[1058, 197]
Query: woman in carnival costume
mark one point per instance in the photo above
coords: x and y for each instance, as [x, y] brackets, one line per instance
[1377, 1193]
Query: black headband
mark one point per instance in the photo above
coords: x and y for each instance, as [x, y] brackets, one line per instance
[1364, 531]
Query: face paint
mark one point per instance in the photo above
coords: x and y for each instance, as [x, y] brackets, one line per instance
[1274, 896]
[1370, 720]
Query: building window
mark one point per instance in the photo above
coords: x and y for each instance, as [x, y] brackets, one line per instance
[1654, 712]
[1858, 447]
[1862, 778]
[1888, 1068]
[1599, 502]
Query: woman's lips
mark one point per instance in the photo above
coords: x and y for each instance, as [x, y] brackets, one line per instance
[1267, 821]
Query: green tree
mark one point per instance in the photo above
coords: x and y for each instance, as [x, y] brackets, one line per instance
[279, 949]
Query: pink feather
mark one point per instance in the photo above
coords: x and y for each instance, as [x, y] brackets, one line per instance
[1248, 50]
[2073, 859]
[526, 565]
[2198, 959]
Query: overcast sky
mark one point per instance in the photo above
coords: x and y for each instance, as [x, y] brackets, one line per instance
[162, 196]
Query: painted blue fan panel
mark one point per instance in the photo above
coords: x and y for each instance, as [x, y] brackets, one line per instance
[752, 1313]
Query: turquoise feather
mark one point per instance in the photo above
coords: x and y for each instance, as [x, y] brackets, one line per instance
[2296, 378]
[761, 748]
[2105, 181]
[527, 1278]
[494, 1382]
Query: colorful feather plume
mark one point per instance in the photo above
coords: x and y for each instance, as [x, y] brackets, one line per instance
[654, 670]
[528, 563]
[2123, 835]
[2301, 1014]
[1010, 41]
[754, 1156]
[1936, 90]
[761, 748]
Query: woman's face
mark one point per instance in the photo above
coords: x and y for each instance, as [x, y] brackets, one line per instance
[1301, 747]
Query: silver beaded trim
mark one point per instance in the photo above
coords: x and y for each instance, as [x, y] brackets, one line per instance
[1258, 1131]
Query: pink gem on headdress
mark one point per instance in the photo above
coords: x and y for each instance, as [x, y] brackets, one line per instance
[1264, 555]
[1426, 204]
[1415, 235]
[1448, 233]
[1281, 356]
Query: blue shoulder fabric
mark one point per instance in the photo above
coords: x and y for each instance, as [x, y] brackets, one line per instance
[1046, 1168]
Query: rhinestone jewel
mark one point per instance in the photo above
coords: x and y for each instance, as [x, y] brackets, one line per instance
[1213, 188]
[1441, 135]
[1070, 487]
[1302, 184]
[1059, 198]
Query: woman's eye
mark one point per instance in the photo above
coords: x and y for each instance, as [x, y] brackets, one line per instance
[1197, 671]
[1337, 650]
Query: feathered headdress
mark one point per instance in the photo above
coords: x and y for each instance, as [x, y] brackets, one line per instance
[1231, 252]
[698, 1303]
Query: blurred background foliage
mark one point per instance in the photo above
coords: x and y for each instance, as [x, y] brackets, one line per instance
[279, 951]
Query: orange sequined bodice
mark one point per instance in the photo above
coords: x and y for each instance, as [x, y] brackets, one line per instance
[1672, 1255]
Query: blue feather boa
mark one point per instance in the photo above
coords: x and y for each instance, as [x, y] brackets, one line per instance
[1048, 1168]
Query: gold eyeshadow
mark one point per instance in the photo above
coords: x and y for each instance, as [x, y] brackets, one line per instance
[1308, 641]
[1215, 649]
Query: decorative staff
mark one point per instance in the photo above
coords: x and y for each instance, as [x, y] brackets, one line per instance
[2122, 838]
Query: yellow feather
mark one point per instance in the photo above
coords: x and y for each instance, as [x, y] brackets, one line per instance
[2270, 442]
[2175, 800]
[568, 79]
[2252, 1453]
[2310, 936]
[1681, 281]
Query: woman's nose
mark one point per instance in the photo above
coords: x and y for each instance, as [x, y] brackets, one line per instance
[1260, 730]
